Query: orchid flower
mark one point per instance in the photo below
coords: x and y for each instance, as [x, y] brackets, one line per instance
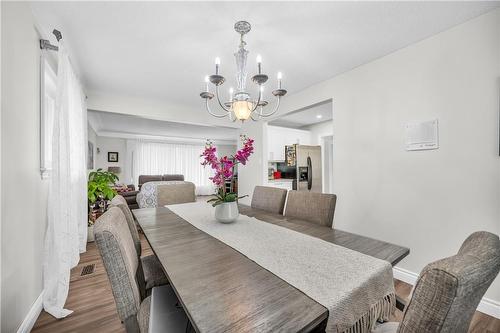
[224, 166]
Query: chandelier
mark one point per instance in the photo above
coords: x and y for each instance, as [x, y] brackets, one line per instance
[240, 105]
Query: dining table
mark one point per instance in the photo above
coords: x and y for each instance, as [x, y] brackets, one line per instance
[222, 290]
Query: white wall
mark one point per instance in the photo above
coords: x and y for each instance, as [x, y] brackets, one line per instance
[225, 150]
[429, 201]
[105, 145]
[24, 194]
[255, 171]
[92, 137]
[318, 133]
[320, 130]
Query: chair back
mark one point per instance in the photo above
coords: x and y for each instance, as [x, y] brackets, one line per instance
[449, 290]
[120, 202]
[270, 199]
[161, 193]
[176, 193]
[123, 267]
[313, 207]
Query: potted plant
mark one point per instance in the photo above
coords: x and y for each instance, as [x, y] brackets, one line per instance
[99, 191]
[225, 202]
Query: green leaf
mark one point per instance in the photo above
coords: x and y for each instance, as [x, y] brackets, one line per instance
[230, 197]
[218, 202]
[99, 185]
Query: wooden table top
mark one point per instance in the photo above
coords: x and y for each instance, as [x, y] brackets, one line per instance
[224, 291]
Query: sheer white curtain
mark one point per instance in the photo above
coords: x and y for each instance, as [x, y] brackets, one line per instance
[66, 234]
[155, 158]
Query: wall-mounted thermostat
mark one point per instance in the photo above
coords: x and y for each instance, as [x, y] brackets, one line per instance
[422, 135]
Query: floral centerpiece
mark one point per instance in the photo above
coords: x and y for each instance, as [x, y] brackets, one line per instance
[225, 202]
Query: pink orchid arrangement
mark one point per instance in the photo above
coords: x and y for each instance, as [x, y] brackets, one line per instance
[224, 168]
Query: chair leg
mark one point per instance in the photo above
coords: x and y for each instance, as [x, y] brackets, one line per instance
[400, 303]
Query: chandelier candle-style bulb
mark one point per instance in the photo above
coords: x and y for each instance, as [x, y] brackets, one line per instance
[206, 83]
[259, 63]
[280, 76]
[231, 90]
[217, 64]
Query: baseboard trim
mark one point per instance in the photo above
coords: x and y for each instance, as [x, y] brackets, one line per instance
[405, 275]
[32, 316]
[489, 307]
[486, 306]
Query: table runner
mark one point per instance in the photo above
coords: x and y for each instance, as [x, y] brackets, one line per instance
[355, 288]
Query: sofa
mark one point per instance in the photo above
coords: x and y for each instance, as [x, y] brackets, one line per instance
[130, 197]
[158, 178]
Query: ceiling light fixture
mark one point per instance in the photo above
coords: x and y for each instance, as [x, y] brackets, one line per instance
[319, 116]
[241, 105]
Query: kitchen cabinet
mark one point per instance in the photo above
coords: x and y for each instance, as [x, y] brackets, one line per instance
[279, 137]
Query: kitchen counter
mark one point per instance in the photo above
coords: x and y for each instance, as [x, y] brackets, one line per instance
[285, 183]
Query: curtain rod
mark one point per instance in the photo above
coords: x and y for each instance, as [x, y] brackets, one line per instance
[45, 43]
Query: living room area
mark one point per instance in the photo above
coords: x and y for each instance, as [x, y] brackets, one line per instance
[139, 150]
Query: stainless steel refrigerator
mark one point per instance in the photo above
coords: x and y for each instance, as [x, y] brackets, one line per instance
[307, 160]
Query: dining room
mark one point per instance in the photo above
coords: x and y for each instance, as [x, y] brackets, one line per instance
[250, 166]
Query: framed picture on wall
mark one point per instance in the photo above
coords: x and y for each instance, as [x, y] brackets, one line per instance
[112, 156]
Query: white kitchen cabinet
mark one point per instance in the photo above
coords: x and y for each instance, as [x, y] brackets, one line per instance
[276, 149]
[279, 137]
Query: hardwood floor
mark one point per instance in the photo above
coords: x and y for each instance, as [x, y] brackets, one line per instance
[94, 308]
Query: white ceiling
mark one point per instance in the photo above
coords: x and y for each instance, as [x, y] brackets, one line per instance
[306, 117]
[126, 126]
[163, 50]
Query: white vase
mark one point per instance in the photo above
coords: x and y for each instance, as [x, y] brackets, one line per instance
[227, 212]
[90, 233]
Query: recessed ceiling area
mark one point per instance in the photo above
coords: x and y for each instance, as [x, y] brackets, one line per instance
[312, 115]
[163, 50]
[127, 126]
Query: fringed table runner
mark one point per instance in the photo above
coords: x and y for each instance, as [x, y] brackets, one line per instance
[356, 289]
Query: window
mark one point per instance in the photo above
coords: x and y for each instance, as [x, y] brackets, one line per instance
[152, 158]
[48, 80]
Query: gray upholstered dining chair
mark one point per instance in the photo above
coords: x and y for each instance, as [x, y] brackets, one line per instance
[176, 193]
[161, 193]
[270, 199]
[153, 271]
[313, 207]
[124, 271]
[449, 290]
